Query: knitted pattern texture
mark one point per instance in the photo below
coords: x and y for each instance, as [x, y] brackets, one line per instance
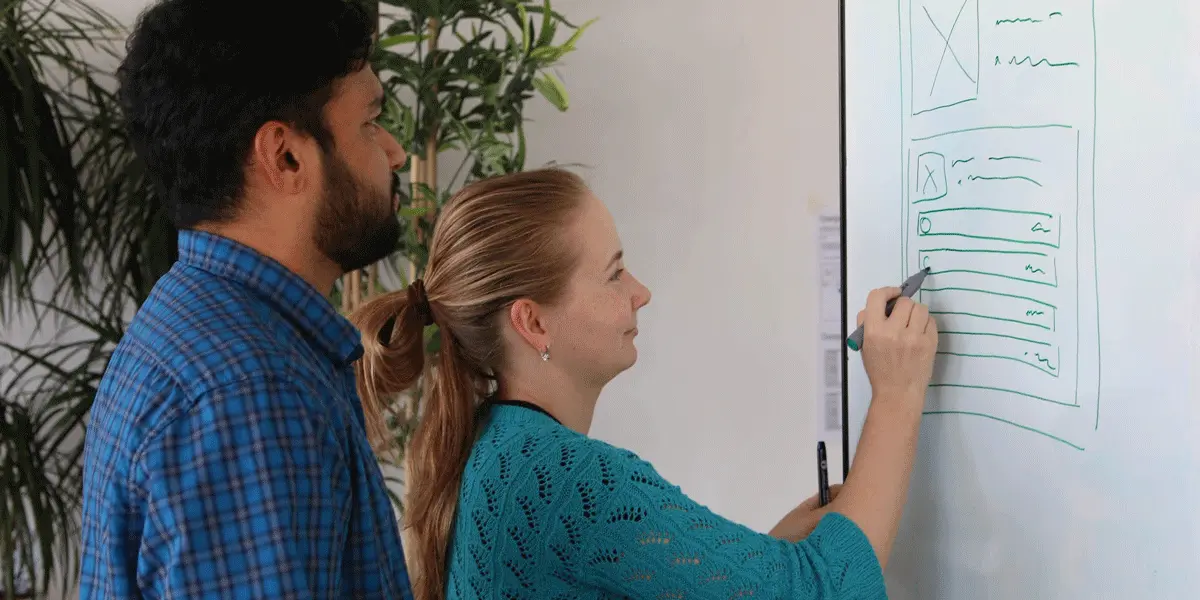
[545, 512]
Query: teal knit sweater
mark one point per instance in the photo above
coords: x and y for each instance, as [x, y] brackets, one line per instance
[545, 512]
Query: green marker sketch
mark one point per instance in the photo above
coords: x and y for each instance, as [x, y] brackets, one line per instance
[1028, 60]
[988, 317]
[1045, 361]
[1040, 367]
[1020, 20]
[991, 128]
[1006, 177]
[1001, 390]
[1043, 228]
[1007, 422]
[992, 274]
[923, 111]
[1017, 252]
[997, 335]
[1010, 211]
[992, 293]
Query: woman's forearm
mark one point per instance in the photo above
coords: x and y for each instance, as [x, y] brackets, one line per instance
[877, 484]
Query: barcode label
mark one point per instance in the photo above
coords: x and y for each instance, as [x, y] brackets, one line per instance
[833, 411]
[833, 368]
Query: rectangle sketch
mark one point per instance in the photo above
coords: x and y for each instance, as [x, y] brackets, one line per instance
[943, 54]
[998, 132]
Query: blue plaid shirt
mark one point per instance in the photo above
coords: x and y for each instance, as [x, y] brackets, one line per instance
[226, 454]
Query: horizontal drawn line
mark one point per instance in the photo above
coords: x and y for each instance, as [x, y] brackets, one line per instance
[1007, 422]
[962, 160]
[1003, 178]
[1001, 294]
[991, 239]
[999, 357]
[1018, 252]
[1002, 390]
[1013, 158]
[979, 316]
[992, 128]
[990, 274]
[921, 112]
[998, 335]
[1010, 211]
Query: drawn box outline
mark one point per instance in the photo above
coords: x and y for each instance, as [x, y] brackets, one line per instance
[922, 218]
[939, 173]
[924, 292]
[906, 220]
[912, 63]
[923, 261]
[1011, 357]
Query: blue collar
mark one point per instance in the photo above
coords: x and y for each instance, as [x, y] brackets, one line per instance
[285, 291]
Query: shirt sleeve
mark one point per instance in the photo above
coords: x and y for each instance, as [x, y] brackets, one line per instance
[640, 536]
[247, 496]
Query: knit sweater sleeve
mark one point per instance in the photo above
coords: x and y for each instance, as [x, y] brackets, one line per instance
[627, 531]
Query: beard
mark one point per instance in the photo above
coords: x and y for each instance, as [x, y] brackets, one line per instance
[356, 224]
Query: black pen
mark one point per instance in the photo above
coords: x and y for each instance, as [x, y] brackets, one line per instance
[822, 474]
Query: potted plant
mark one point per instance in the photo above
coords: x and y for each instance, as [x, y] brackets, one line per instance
[81, 242]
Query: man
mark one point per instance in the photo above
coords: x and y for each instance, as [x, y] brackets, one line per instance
[226, 455]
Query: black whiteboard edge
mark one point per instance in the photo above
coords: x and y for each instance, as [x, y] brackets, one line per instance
[842, 221]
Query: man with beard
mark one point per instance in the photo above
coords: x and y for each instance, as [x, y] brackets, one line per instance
[226, 455]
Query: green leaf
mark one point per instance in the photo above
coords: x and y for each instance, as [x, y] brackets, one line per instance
[571, 41]
[412, 212]
[525, 23]
[552, 90]
[406, 38]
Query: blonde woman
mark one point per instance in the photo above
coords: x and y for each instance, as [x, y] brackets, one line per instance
[510, 498]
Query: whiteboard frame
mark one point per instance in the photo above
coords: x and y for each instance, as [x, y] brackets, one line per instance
[842, 213]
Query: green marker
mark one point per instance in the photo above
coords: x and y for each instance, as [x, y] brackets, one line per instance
[907, 289]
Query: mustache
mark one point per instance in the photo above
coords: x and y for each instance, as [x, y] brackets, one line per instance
[396, 191]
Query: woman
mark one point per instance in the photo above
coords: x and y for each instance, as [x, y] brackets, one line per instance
[508, 497]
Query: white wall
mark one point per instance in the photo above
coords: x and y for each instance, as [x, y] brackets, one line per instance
[710, 129]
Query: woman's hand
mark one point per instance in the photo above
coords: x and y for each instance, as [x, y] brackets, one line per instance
[803, 519]
[898, 350]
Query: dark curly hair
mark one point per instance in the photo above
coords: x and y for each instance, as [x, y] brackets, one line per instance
[202, 76]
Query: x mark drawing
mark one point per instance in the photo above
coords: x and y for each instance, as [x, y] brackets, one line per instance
[947, 47]
[928, 180]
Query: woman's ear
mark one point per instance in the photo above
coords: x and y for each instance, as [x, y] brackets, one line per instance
[527, 318]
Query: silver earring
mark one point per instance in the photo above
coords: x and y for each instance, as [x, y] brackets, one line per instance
[546, 354]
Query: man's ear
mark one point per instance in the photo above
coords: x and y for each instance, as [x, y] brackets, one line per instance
[283, 157]
[528, 319]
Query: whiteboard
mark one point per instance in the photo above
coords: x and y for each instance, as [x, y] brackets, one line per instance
[1040, 158]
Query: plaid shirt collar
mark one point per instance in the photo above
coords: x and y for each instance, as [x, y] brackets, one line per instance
[285, 291]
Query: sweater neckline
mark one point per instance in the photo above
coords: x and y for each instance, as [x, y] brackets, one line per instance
[523, 404]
